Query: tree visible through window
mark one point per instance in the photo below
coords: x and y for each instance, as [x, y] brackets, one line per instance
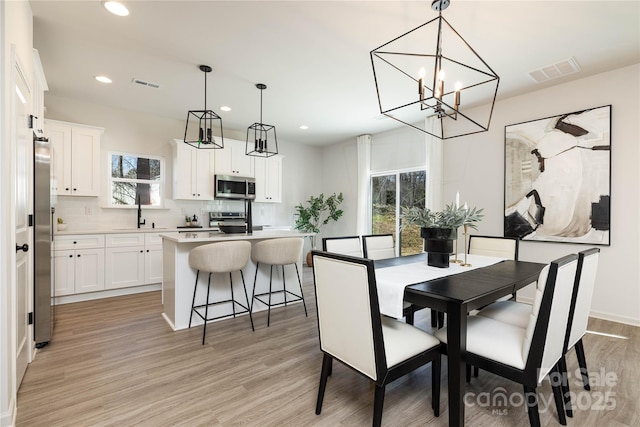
[390, 193]
[136, 180]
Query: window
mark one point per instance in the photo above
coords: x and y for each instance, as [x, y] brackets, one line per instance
[135, 179]
[390, 192]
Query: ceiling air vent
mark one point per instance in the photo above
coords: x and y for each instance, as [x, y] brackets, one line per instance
[145, 83]
[554, 71]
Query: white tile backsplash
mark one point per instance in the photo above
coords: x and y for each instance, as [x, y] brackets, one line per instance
[86, 213]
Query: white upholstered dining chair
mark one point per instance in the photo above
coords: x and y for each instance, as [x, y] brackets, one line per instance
[378, 246]
[352, 331]
[347, 245]
[517, 314]
[527, 355]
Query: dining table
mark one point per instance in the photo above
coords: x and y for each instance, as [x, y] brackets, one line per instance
[456, 290]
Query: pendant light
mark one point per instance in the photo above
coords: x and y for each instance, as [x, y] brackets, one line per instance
[261, 142]
[200, 133]
[455, 85]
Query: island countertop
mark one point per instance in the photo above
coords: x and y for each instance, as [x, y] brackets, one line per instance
[178, 278]
[218, 236]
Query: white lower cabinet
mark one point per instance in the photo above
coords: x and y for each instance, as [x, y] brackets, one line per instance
[78, 270]
[90, 263]
[124, 258]
[152, 258]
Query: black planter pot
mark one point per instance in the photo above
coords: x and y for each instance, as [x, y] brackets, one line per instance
[438, 244]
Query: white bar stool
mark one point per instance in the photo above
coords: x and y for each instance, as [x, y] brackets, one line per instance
[276, 252]
[223, 257]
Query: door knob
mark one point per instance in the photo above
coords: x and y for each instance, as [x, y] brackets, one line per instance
[24, 248]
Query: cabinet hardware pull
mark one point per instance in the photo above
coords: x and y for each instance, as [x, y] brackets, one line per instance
[24, 248]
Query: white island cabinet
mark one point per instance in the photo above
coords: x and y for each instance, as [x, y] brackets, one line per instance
[179, 279]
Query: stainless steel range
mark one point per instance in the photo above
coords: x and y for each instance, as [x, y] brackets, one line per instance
[228, 222]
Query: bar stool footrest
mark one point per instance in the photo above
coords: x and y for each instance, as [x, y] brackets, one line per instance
[273, 304]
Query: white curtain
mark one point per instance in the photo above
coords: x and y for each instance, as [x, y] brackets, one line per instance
[363, 222]
[434, 150]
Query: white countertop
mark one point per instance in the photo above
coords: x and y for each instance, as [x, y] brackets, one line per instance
[217, 236]
[133, 230]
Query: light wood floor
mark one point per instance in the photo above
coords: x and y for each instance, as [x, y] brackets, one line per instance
[115, 362]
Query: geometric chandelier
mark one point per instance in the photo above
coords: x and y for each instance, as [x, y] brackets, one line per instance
[200, 134]
[261, 138]
[431, 71]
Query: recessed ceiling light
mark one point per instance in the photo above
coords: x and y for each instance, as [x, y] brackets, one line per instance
[116, 8]
[225, 108]
[103, 79]
[304, 127]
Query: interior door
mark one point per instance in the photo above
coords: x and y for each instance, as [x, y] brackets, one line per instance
[23, 137]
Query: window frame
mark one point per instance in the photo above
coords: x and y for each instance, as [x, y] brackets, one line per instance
[161, 182]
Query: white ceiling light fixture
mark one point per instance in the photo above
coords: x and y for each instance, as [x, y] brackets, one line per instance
[263, 142]
[201, 135]
[304, 127]
[225, 108]
[103, 79]
[455, 86]
[116, 8]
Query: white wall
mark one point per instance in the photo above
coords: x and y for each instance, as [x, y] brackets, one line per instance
[140, 133]
[474, 166]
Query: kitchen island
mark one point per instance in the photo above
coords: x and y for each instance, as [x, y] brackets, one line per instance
[179, 279]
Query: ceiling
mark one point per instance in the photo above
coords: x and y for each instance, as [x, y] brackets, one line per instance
[312, 55]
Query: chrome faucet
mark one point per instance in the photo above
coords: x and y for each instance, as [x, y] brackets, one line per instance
[140, 220]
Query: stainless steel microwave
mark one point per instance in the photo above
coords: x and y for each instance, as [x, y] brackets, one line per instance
[235, 187]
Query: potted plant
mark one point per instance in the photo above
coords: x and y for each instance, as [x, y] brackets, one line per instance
[315, 213]
[439, 229]
[61, 225]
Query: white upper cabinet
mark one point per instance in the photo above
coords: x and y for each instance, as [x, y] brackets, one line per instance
[268, 179]
[39, 88]
[232, 160]
[193, 172]
[76, 158]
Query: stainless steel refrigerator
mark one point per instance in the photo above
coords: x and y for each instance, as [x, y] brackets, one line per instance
[43, 210]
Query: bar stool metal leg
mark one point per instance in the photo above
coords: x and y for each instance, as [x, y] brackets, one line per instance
[301, 293]
[269, 308]
[233, 300]
[246, 296]
[206, 310]
[193, 301]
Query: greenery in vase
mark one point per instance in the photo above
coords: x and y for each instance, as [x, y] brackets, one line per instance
[451, 217]
[316, 212]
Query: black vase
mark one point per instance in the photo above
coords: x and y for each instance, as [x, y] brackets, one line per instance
[438, 244]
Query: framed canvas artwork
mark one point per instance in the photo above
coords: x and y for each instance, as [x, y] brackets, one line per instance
[557, 183]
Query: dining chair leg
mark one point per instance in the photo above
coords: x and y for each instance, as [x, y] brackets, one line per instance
[531, 399]
[324, 374]
[556, 386]
[378, 403]
[582, 362]
[476, 371]
[436, 367]
[206, 310]
[468, 371]
[434, 318]
[562, 366]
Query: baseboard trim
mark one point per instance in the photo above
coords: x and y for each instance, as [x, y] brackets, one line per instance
[8, 418]
[600, 315]
[67, 299]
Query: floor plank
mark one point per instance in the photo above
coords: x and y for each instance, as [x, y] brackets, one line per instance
[115, 362]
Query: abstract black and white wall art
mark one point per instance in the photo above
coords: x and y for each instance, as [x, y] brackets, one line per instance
[557, 184]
